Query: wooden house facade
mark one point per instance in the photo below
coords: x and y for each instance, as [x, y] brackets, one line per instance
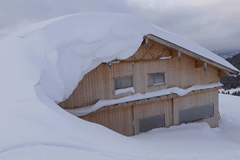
[156, 65]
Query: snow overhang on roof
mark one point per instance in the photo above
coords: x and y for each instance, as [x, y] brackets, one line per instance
[55, 54]
[199, 53]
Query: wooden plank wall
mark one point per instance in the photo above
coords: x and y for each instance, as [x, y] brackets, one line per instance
[99, 83]
[197, 100]
[124, 118]
[117, 118]
[153, 109]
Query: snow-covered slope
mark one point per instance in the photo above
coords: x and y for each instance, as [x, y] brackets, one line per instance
[188, 141]
[43, 63]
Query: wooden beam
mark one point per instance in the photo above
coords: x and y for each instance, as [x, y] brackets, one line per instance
[190, 53]
[148, 51]
[205, 66]
[151, 55]
[146, 42]
[179, 56]
[160, 54]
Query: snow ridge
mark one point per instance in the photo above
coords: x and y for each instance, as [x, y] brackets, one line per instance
[101, 103]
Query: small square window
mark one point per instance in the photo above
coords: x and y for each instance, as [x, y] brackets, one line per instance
[156, 79]
[121, 83]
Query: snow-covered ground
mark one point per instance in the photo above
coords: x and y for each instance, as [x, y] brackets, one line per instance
[43, 63]
[188, 141]
[198, 140]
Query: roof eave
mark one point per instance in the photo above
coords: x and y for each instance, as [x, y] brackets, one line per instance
[190, 53]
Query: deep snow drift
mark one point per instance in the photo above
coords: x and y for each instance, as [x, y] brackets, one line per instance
[43, 63]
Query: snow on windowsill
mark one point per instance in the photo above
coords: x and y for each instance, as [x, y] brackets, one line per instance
[124, 90]
[101, 103]
[169, 57]
[156, 84]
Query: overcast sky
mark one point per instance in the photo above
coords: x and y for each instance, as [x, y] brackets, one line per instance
[214, 24]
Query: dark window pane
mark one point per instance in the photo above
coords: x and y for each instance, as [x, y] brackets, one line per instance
[156, 79]
[123, 83]
[117, 83]
[147, 124]
[197, 113]
[159, 78]
[126, 82]
[151, 80]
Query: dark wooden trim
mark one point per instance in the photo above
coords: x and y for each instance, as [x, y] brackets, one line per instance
[156, 73]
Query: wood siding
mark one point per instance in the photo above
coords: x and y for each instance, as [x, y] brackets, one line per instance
[99, 83]
[197, 100]
[118, 118]
[124, 118]
[153, 109]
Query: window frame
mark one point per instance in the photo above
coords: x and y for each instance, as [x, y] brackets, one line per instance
[114, 81]
[156, 84]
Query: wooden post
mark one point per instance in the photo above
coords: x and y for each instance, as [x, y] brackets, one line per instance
[146, 42]
[179, 56]
[205, 66]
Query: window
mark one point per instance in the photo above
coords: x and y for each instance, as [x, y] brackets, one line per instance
[195, 114]
[121, 83]
[156, 79]
[147, 124]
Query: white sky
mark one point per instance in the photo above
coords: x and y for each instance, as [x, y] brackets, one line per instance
[214, 24]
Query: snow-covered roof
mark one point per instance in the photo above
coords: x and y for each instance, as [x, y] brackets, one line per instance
[69, 47]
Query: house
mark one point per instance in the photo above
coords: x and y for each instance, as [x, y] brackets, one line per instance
[162, 84]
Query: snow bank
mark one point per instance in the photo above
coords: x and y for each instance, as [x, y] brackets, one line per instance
[181, 92]
[42, 64]
[229, 123]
